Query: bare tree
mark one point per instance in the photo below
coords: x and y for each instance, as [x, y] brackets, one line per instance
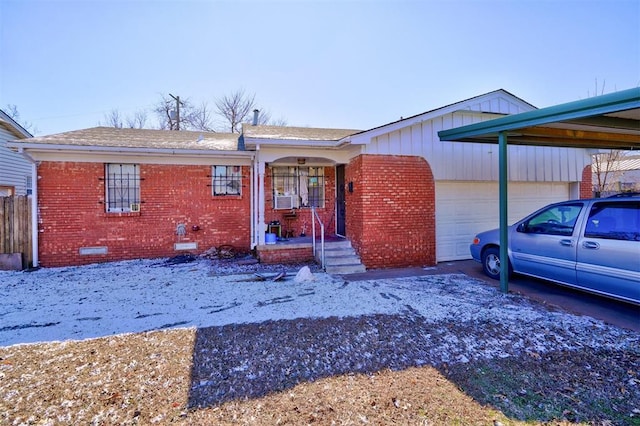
[604, 164]
[12, 111]
[235, 108]
[167, 119]
[605, 171]
[201, 119]
[167, 111]
[138, 120]
[112, 119]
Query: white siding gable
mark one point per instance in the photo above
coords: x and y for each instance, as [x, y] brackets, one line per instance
[470, 161]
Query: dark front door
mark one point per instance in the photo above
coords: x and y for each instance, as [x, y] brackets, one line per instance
[340, 201]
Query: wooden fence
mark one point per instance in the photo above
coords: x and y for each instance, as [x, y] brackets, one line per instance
[15, 227]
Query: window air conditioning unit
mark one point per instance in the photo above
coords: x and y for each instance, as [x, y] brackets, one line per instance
[286, 202]
[134, 207]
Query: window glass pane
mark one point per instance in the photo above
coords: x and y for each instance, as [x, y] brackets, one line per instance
[316, 187]
[123, 187]
[557, 220]
[614, 221]
[227, 180]
[298, 186]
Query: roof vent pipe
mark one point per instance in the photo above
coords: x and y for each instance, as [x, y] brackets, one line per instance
[256, 113]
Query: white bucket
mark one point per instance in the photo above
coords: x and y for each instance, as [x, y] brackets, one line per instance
[270, 238]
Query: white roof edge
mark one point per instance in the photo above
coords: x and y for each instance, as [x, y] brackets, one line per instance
[18, 129]
[310, 143]
[457, 107]
[76, 148]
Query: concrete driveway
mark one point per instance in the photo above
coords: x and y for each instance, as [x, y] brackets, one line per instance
[612, 312]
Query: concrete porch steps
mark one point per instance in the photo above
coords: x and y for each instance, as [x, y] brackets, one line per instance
[339, 258]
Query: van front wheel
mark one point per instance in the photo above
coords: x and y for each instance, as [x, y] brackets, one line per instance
[491, 262]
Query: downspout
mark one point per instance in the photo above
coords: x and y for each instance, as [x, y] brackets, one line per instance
[34, 214]
[34, 207]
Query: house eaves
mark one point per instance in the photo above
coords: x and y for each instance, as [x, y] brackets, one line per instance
[109, 137]
[13, 126]
[35, 148]
[289, 137]
[131, 142]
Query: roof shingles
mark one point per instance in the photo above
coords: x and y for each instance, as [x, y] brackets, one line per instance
[140, 138]
[296, 133]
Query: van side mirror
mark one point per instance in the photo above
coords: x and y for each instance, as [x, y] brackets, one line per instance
[521, 228]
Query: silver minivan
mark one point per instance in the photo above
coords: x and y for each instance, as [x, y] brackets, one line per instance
[591, 245]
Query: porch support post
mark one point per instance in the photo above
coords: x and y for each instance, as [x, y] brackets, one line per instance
[261, 191]
[504, 235]
[254, 202]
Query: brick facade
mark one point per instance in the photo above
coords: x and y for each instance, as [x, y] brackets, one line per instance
[277, 254]
[390, 217]
[586, 185]
[72, 214]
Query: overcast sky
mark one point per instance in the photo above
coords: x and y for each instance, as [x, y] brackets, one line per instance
[349, 64]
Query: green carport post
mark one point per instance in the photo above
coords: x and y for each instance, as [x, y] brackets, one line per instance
[504, 236]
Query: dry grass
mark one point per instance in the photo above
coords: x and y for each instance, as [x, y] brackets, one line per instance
[145, 378]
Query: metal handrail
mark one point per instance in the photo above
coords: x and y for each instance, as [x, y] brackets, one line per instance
[314, 216]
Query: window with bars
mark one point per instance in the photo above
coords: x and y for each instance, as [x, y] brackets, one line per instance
[123, 187]
[295, 187]
[227, 180]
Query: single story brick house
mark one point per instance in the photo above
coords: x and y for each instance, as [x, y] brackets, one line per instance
[396, 192]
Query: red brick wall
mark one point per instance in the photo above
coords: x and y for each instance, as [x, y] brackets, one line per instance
[391, 212]
[284, 254]
[303, 220]
[586, 185]
[72, 213]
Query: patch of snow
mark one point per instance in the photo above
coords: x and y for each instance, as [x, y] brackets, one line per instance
[58, 304]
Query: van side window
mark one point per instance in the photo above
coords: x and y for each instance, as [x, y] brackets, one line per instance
[614, 221]
[556, 220]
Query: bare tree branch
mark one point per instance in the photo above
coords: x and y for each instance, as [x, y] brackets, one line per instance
[605, 171]
[12, 111]
[112, 119]
[200, 118]
[138, 120]
[167, 120]
[235, 108]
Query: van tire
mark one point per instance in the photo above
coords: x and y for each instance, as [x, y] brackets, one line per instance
[491, 263]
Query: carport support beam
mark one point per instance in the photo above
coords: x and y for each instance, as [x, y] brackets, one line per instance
[504, 235]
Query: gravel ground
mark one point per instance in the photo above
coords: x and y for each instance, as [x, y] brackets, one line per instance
[255, 338]
[504, 350]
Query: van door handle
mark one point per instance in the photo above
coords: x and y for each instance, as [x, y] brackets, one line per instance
[591, 245]
[568, 243]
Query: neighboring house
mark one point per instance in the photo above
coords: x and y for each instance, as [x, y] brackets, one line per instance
[15, 170]
[621, 175]
[399, 194]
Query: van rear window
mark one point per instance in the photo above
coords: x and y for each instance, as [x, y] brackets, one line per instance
[614, 221]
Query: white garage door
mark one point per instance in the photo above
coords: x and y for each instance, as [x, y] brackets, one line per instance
[465, 208]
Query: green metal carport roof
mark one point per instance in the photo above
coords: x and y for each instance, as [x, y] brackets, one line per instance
[609, 121]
